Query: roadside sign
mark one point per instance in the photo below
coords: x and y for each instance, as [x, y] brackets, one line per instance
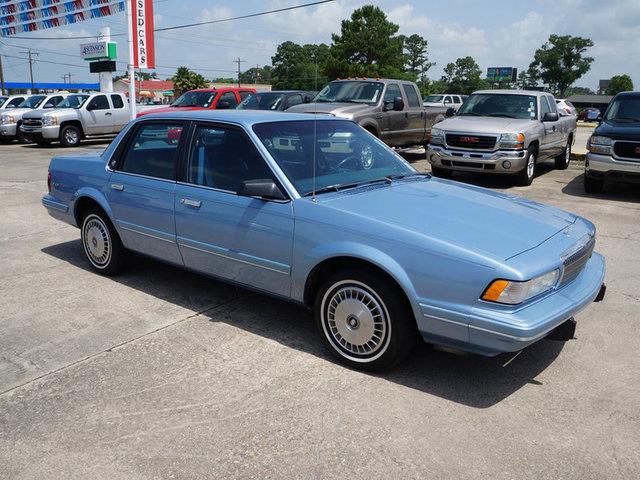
[98, 51]
[143, 44]
[502, 74]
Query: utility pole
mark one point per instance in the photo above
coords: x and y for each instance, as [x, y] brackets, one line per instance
[1, 77]
[65, 76]
[238, 61]
[31, 62]
[255, 77]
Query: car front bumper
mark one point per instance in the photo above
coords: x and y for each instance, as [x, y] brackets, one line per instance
[608, 167]
[500, 161]
[36, 134]
[491, 329]
[8, 131]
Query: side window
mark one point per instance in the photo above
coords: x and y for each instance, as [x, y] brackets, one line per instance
[553, 107]
[412, 95]
[117, 101]
[393, 91]
[456, 99]
[99, 103]
[153, 150]
[229, 98]
[544, 106]
[244, 94]
[447, 100]
[223, 158]
[15, 102]
[294, 100]
[52, 102]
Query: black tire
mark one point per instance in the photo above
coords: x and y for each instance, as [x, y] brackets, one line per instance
[20, 136]
[101, 243]
[562, 160]
[593, 185]
[441, 172]
[70, 136]
[364, 306]
[526, 175]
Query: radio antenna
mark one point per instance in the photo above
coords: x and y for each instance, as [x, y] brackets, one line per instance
[315, 130]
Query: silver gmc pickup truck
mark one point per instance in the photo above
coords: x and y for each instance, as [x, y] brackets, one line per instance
[391, 110]
[502, 131]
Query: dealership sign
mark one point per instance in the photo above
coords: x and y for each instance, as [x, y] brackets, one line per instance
[502, 74]
[98, 51]
[143, 45]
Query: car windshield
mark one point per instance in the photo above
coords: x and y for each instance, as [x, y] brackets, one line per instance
[625, 108]
[434, 98]
[73, 101]
[261, 101]
[500, 105]
[345, 154]
[3, 100]
[351, 92]
[32, 102]
[195, 99]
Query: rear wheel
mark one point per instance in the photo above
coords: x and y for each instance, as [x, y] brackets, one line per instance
[441, 172]
[70, 136]
[562, 160]
[101, 243]
[525, 177]
[593, 185]
[364, 320]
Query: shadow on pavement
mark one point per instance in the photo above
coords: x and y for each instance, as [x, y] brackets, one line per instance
[613, 191]
[503, 182]
[470, 380]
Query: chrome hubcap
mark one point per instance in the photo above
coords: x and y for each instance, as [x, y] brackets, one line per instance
[97, 243]
[531, 165]
[355, 321]
[567, 153]
[71, 136]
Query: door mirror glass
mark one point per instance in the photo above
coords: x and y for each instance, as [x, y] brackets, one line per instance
[550, 117]
[398, 104]
[263, 188]
[48, 105]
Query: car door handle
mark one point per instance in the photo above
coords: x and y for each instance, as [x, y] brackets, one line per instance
[117, 186]
[108, 113]
[191, 203]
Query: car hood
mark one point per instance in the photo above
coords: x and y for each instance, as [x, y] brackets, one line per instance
[16, 111]
[619, 130]
[38, 114]
[484, 124]
[169, 110]
[479, 220]
[335, 108]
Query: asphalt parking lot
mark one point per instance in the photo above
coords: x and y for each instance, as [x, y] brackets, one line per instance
[161, 373]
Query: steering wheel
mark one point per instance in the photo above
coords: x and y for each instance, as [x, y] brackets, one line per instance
[351, 158]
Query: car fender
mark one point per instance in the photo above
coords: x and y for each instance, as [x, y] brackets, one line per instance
[95, 195]
[370, 125]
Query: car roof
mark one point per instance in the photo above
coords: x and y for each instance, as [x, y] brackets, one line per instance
[245, 118]
[222, 89]
[514, 92]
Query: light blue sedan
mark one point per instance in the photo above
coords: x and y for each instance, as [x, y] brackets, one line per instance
[315, 210]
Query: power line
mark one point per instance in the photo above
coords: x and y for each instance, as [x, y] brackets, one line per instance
[189, 25]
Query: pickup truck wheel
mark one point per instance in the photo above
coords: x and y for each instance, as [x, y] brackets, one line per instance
[364, 320]
[593, 185]
[525, 177]
[20, 136]
[441, 172]
[562, 160]
[70, 136]
[101, 243]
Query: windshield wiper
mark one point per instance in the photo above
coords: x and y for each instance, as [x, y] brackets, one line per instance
[336, 187]
[505, 115]
[474, 114]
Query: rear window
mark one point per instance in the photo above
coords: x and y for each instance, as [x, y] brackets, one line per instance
[117, 101]
[412, 95]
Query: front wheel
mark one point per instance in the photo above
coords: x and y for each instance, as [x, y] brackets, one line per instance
[70, 136]
[101, 243]
[20, 136]
[525, 177]
[364, 320]
[562, 160]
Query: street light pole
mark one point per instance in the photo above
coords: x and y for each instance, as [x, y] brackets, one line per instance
[1, 77]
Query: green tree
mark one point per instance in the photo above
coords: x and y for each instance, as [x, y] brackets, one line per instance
[299, 66]
[579, 91]
[463, 76]
[619, 83]
[185, 80]
[527, 79]
[256, 75]
[416, 58]
[561, 61]
[367, 46]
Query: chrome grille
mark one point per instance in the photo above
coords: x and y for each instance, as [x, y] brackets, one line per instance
[629, 150]
[32, 122]
[480, 142]
[574, 263]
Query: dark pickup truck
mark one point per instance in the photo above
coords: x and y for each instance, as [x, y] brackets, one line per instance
[391, 110]
[614, 148]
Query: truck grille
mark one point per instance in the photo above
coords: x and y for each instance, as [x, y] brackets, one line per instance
[479, 142]
[32, 122]
[574, 264]
[627, 149]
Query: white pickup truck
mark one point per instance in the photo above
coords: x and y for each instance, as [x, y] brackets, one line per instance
[77, 117]
[11, 119]
[502, 131]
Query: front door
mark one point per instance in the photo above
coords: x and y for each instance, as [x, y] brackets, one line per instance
[393, 122]
[97, 116]
[414, 135]
[142, 186]
[244, 239]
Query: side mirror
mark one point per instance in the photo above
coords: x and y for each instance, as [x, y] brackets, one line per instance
[307, 99]
[450, 112]
[398, 104]
[49, 105]
[263, 188]
[550, 117]
[223, 105]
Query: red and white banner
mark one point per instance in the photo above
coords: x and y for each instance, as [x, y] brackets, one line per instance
[143, 46]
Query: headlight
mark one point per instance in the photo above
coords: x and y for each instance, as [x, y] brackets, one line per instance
[512, 292]
[512, 141]
[599, 144]
[7, 119]
[437, 136]
[48, 120]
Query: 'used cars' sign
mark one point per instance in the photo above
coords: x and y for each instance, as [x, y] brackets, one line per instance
[143, 45]
[98, 51]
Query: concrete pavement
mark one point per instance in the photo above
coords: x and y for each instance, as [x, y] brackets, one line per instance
[160, 373]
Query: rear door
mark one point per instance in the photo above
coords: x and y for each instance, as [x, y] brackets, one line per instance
[141, 188]
[120, 112]
[415, 115]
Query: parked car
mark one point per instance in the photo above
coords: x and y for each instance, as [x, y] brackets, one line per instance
[453, 101]
[502, 131]
[11, 119]
[206, 99]
[278, 100]
[565, 107]
[389, 109]
[11, 101]
[589, 115]
[79, 116]
[613, 151]
[383, 255]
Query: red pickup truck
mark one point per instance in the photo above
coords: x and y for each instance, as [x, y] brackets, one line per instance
[205, 99]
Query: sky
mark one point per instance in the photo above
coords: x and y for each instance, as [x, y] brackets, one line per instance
[493, 32]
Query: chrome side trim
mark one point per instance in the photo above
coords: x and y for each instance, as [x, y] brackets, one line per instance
[55, 205]
[427, 315]
[129, 229]
[228, 257]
